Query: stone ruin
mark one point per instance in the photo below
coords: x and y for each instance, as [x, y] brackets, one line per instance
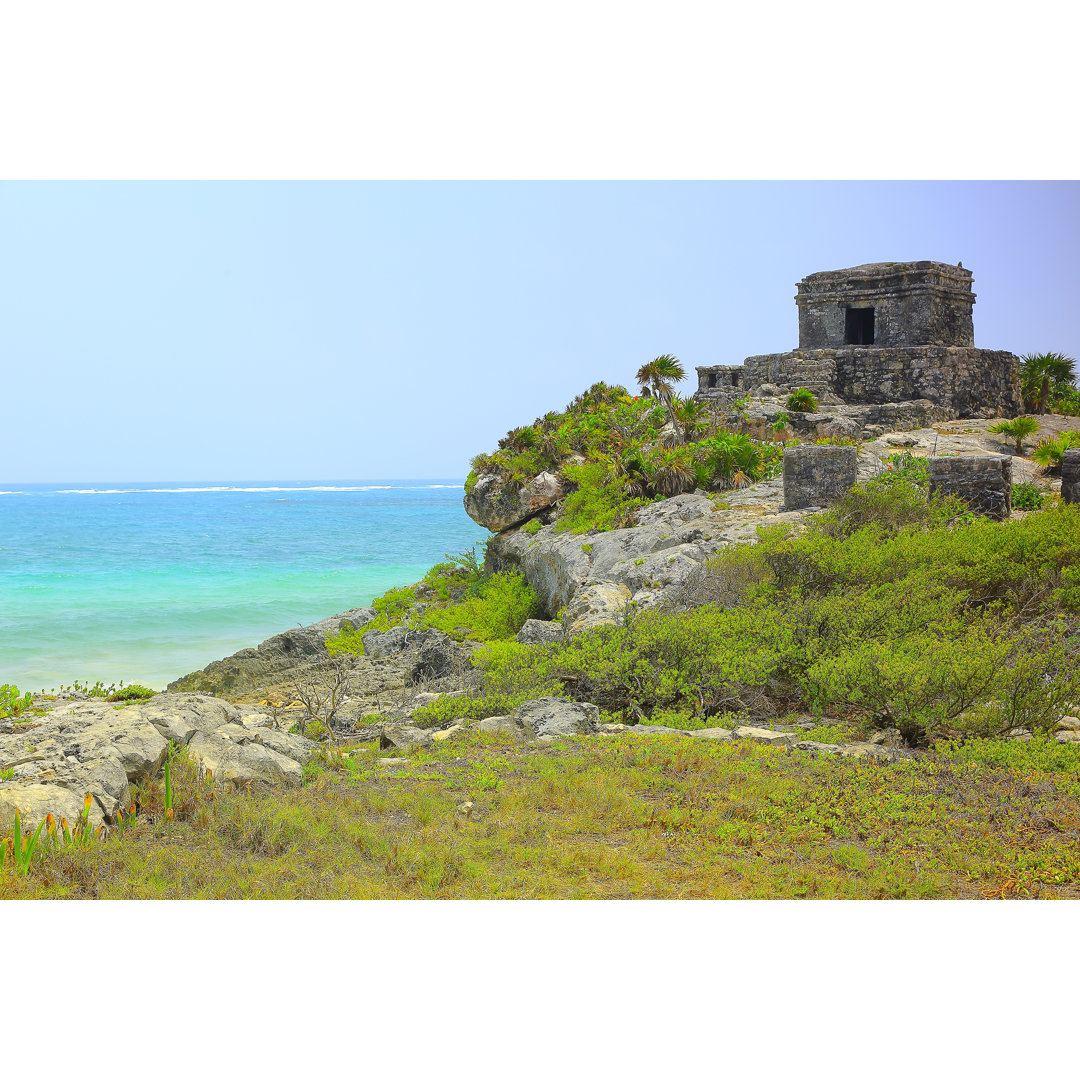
[888, 345]
[984, 483]
[818, 475]
[1070, 476]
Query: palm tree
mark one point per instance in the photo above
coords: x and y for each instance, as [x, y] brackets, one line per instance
[656, 377]
[1043, 375]
[1018, 429]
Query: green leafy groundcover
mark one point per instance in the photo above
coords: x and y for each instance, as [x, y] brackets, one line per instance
[943, 626]
[464, 602]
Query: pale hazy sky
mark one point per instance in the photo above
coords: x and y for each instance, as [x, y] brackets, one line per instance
[352, 330]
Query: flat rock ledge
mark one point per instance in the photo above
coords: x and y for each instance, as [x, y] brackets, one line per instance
[106, 750]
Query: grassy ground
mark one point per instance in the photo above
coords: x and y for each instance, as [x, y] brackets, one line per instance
[613, 817]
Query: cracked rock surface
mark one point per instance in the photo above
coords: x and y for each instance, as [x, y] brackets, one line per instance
[107, 750]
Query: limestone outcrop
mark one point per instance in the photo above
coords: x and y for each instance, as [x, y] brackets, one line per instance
[251, 670]
[108, 750]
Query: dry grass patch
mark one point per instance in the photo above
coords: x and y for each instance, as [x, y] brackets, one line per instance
[664, 817]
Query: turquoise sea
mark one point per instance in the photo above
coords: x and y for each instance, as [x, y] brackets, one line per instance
[146, 582]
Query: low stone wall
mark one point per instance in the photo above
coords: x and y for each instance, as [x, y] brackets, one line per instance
[967, 381]
[1070, 476]
[818, 475]
[984, 483]
[964, 381]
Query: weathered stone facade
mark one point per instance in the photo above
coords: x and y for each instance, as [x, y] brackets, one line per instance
[912, 341]
[887, 305]
[818, 475]
[1070, 476]
[984, 483]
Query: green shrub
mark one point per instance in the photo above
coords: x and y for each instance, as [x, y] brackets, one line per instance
[393, 608]
[596, 504]
[1066, 402]
[134, 692]
[1042, 754]
[802, 400]
[889, 507]
[906, 466]
[346, 640]
[1027, 496]
[12, 702]
[532, 526]
[497, 610]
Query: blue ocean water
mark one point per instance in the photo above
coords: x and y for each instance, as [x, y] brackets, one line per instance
[146, 582]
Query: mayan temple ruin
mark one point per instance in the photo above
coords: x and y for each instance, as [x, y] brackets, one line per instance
[888, 345]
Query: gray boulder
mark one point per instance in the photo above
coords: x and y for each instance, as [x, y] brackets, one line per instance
[766, 735]
[497, 506]
[553, 716]
[403, 737]
[713, 733]
[540, 632]
[379, 644]
[243, 762]
[437, 657]
[500, 725]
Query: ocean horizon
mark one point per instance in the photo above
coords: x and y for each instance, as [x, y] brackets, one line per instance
[148, 581]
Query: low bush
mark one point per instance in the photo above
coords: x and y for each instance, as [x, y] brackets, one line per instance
[477, 607]
[1027, 496]
[134, 692]
[889, 611]
[498, 609]
[802, 400]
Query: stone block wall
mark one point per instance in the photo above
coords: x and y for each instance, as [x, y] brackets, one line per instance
[1070, 476]
[965, 381]
[984, 483]
[818, 475]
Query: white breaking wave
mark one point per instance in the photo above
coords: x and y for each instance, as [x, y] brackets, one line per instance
[194, 490]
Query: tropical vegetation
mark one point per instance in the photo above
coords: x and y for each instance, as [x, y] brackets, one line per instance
[617, 451]
[1018, 429]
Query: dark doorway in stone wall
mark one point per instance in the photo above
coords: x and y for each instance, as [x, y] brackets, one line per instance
[859, 326]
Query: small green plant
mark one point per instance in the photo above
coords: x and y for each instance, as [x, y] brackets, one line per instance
[18, 849]
[125, 819]
[1017, 429]
[1027, 496]
[168, 803]
[12, 702]
[836, 440]
[779, 425]
[802, 400]
[532, 526]
[1050, 452]
[7, 774]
